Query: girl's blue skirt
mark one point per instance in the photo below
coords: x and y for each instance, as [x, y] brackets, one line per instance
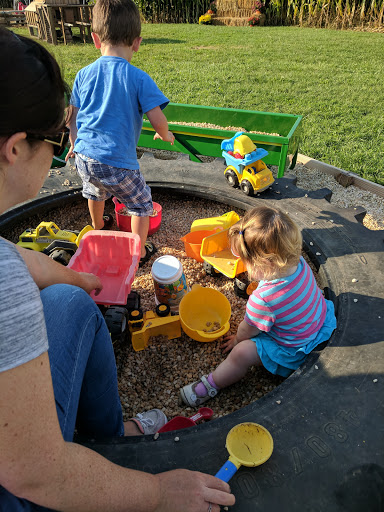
[281, 360]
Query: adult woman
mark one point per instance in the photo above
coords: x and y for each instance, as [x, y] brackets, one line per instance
[39, 463]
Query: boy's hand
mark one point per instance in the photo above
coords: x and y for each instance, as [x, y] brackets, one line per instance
[229, 342]
[169, 138]
[70, 154]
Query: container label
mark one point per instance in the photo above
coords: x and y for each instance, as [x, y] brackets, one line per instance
[171, 293]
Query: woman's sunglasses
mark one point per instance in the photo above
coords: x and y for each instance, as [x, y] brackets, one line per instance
[59, 141]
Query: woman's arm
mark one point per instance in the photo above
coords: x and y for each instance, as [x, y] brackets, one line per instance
[45, 272]
[38, 465]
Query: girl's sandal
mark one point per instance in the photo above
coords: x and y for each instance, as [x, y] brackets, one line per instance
[150, 250]
[189, 397]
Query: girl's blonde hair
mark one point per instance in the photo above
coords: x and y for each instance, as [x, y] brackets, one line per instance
[267, 239]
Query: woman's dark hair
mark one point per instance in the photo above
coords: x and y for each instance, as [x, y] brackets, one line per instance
[32, 91]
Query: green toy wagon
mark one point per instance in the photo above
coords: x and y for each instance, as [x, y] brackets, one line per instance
[279, 134]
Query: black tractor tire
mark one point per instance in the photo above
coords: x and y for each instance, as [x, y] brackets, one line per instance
[116, 320]
[61, 256]
[133, 301]
[325, 418]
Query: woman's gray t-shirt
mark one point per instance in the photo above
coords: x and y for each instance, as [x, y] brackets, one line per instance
[23, 334]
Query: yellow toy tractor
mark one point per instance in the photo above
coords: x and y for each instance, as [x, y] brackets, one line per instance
[48, 238]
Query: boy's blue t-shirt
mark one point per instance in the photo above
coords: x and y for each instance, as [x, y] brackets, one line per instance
[112, 95]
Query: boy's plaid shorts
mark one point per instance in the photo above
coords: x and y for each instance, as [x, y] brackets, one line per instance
[101, 181]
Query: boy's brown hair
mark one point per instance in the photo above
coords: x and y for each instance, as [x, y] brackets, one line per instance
[268, 239]
[116, 21]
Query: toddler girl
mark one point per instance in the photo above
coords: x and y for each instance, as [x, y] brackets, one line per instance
[286, 317]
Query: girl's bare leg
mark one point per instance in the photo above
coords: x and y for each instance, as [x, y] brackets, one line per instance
[231, 370]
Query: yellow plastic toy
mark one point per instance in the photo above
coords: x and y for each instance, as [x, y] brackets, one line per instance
[248, 444]
[245, 168]
[243, 145]
[204, 313]
[215, 223]
[152, 323]
[215, 251]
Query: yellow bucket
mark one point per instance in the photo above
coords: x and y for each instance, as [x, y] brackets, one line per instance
[225, 221]
[203, 309]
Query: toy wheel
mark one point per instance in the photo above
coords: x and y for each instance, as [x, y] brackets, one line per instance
[243, 287]
[61, 256]
[231, 177]
[136, 314]
[247, 188]
[210, 270]
[162, 310]
[116, 320]
[133, 301]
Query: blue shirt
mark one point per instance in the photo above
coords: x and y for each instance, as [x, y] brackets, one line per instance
[112, 96]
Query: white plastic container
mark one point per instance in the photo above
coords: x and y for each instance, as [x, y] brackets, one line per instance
[169, 281]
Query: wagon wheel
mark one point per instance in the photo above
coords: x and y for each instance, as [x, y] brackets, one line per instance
[233, 180]
[247, 188]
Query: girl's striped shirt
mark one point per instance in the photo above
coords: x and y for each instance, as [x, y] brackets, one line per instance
[291, 309]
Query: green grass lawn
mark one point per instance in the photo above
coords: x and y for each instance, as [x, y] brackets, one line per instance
[334, 79]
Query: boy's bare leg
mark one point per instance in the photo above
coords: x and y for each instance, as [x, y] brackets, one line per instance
[140, 226]
[232, 369]
[96, 209]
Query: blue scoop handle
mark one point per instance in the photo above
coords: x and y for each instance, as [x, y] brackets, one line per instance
[227, 471]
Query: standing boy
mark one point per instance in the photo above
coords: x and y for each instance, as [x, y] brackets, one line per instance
[109, 99]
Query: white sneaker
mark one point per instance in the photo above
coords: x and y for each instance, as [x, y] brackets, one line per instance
[149, 422]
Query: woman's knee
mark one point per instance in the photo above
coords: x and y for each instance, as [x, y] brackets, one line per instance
[63, 295]
[67, 302]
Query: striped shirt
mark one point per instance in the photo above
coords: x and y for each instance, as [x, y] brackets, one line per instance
[291, 309]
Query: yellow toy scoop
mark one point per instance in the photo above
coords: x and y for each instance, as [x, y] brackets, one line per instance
[248, 444]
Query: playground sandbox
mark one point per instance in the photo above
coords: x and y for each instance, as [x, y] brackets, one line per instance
[153, 377]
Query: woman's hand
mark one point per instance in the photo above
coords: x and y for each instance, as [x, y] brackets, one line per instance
[90, 282]
[230, 341]
[203, 492]
[169, 137]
